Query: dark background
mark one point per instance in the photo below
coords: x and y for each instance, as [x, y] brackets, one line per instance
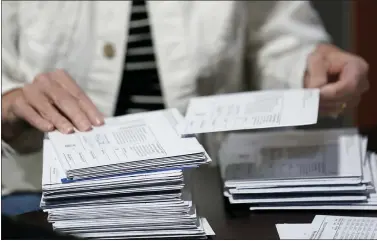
[336, 16]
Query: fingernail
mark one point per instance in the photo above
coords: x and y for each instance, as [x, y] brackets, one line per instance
[85, 126]
[99, 121]
[88, 128]
[50, 127]
[68, 129]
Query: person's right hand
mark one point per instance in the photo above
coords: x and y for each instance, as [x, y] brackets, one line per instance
[52, 101]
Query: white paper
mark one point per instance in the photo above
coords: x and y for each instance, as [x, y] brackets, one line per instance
[338, 159]
[288, 183]
[304, 199]
[338, 227]
[53, 174]
[134, 137]
[316, 189]
[251, 110]
[321, 207]
[52, 171]
[294, 230]
[123, 189]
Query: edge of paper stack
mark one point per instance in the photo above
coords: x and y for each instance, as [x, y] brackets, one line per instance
[125, 180]
[299, 169]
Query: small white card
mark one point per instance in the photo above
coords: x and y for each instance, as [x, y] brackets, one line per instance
[294, 231]
[251, 110]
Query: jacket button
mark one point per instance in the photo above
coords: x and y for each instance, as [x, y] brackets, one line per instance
[108, 50]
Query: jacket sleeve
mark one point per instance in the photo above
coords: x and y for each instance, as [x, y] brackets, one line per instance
[10, 63]
[281, 39]
[12, 73]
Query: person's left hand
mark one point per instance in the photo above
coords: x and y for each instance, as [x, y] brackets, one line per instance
[340, 76]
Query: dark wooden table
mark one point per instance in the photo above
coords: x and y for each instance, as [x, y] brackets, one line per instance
[229, 221]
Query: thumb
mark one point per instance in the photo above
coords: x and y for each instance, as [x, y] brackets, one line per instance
[317, 71]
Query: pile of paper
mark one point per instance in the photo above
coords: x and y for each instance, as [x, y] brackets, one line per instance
[331, 227]
[327, 169]
[124, 180]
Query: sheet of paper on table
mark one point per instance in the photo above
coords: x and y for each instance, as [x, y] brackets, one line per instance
[331, 227]
[338, 227]
[294, 231]
[251, 110]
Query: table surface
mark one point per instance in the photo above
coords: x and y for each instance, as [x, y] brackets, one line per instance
[229, 221]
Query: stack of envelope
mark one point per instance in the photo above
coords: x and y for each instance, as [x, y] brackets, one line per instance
[301, 169]
[124, 180]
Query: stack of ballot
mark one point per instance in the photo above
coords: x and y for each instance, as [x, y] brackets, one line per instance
[299, 169]
[331, 227]
[124, 180]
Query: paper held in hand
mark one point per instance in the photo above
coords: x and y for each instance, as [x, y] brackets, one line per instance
[251, 110]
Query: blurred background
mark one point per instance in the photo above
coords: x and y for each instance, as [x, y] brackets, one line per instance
[351, 24]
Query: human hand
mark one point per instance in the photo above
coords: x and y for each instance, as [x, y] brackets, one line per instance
[52, 101]
[340, 76]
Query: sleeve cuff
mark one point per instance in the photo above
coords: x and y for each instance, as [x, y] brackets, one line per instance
[295, 77]
[6, 87]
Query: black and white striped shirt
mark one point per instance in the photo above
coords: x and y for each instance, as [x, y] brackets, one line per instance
[140, 89]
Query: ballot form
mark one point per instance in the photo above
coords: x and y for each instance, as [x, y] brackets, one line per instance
[338, 227]
[251, 110]
[127, 143]
[331, 228]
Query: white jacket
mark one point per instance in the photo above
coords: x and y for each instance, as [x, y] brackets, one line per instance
[202, 48]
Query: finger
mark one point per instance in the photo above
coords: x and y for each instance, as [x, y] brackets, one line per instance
[330, 109]
[68, 105]
[337, 65]
[317, 69]
[349, 105]
[86, 104]
[23, 110]
[346, 86]
[334, 104]
[43, 105]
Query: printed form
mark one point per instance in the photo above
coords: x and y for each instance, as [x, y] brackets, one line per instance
[331, 227]
[338, 227]
[131, 138]
[251, 110]
[289, 161]
[53, 174]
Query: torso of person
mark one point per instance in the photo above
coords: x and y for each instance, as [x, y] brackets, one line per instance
[190, 48]
[196, 50]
